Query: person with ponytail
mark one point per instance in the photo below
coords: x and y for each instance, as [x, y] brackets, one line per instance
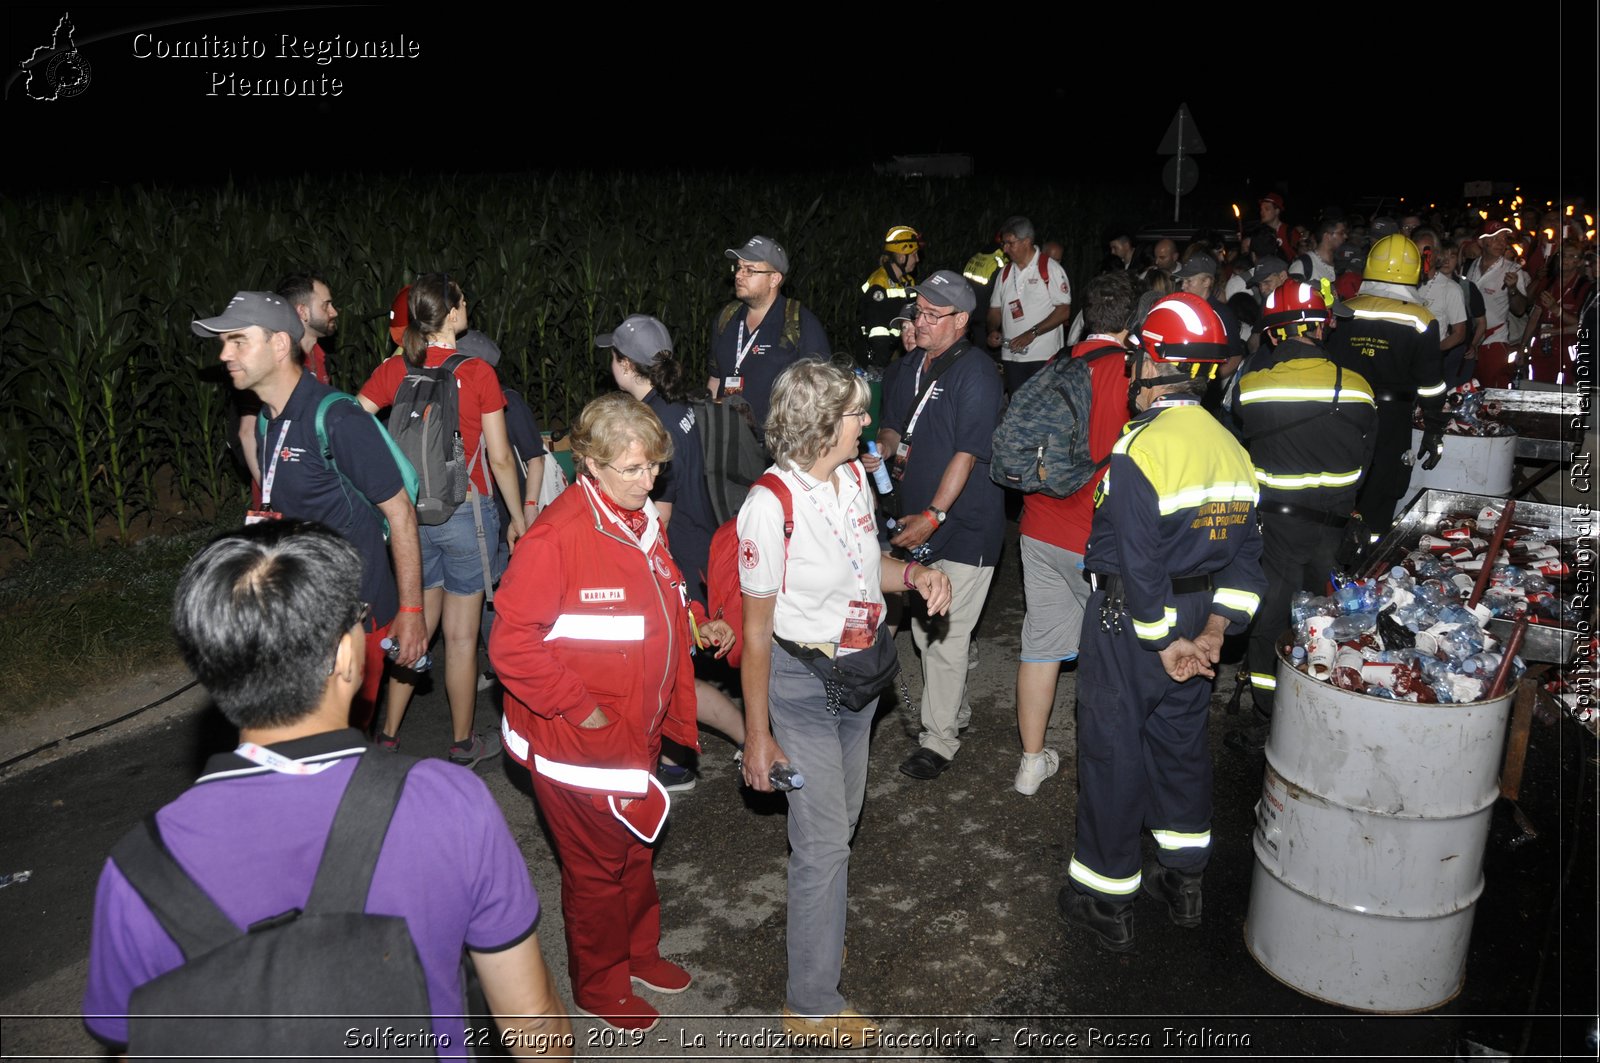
[453, 578]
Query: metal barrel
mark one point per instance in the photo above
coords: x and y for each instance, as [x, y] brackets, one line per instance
[1369, 843]
[1479, 465]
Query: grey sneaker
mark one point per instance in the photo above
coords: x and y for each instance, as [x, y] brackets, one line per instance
[469, 752]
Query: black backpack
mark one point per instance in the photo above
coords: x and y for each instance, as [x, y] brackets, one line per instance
[293, 984]
[734, 458]
[426, 423]
[1042, 442]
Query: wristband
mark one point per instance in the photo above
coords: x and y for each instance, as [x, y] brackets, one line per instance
[905, 575]
[531, 502]
[411, 608]
[931, 517]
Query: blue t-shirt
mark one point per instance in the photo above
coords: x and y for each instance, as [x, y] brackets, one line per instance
[959, 416]
[765, 356]
[682, 484]
[304, 487]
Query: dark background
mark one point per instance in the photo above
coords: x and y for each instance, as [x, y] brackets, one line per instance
[1324, 103]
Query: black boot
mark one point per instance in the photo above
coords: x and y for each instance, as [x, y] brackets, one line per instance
[1111, 923]
[1178, 890]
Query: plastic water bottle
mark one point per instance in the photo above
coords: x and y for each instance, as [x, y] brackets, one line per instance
[880, 475]
[391, 649]
[1300, 608]
[1351, 626]
[784, 776]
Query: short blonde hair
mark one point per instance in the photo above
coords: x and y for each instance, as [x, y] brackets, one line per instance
[609, 424]
[808, 399]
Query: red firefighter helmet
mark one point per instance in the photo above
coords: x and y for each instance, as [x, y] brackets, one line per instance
[1294, 303]
[400, 315]
[1182, 329]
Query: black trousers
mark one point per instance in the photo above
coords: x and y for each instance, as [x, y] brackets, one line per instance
[1296, 555]
[1389, 475]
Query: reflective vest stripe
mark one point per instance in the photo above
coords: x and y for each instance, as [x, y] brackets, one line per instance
[1362, 313]
[1249, 395]
[878, 330]
[513, 740]
[1156, 629]
[1431, 390]
[1239, 601]
[1263, 681]
[1120, 887]
[1191, 497]
[1295, 482]
[597, 627]
[613, 780]
[1171, 839]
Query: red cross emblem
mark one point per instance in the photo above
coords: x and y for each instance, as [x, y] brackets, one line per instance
[748, 554]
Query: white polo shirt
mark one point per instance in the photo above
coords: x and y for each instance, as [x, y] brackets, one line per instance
[1024, 299]
[1443, 297]
[833, 556]
[1497, 283]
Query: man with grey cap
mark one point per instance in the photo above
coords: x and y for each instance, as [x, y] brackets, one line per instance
[938, 422]
[1032, 299]
[1198, 276]
[762, 332]
[353, 485]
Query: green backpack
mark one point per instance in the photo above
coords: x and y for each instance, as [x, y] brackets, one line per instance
[407, 472]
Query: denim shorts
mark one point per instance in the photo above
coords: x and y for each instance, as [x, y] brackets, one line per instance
[450, 557]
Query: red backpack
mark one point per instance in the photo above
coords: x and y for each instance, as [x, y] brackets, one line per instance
[724, 598]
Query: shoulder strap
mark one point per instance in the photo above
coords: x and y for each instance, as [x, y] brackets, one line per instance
[322, 421]
[725, 318]
[350, 855]
[791, 323]
[1005, 274]
[452, 363]
[183, 909]
[1101, 352]
[774, 483]
[1044, 267]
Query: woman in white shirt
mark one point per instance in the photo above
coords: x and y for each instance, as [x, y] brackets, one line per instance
[820, 589]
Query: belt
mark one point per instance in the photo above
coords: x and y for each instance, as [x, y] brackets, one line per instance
[1111, 583]
[1394, 395]
[806, 651]
[1311, 516]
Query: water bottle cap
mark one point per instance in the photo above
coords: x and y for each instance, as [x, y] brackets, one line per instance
[872, 448]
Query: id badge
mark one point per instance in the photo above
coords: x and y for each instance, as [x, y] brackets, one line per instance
[257, 516]
[732, 385]
[1016, 309]
[902, 456]
[860, 625]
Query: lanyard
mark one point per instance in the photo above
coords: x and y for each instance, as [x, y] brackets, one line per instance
[1161, 404]
[926, 393]
[856, 555]
[272, 469]
[741, 348]
[279, 763]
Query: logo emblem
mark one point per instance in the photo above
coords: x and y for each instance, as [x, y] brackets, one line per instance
[749, 556]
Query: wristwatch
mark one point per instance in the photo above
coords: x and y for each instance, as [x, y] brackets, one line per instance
[935, 514]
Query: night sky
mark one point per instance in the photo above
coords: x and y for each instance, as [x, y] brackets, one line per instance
[1326, 111]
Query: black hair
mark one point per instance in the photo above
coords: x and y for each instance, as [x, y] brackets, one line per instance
[665, 375]
[1108, 302]
[433, 296]
[258, 615]
[297, 288]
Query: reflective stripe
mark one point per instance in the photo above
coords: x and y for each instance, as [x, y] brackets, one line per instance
[1243, 601]
[514, 741]
[1309, 479]
[879, 330]
[1171, 839]
[1120, 887]
[1190, 497]
[975, 278]
[598, 627]
[1249, 395]
[1362, 313]
[611, 780]
[1158, 628]
[1431, 390]
[1263, 681]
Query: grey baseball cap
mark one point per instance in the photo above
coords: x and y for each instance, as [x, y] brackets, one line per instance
[1199, 263]
[908, 313]
[948, 288]
[640, 337]
[1267, 267]
[268, 309]
[475, 344]
[762, 249]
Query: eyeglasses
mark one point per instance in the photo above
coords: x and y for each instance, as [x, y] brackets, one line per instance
[855, 413]
[744, 269]
[923, 314]
[633, 472]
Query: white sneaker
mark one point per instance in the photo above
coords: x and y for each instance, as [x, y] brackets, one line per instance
[1035, 769]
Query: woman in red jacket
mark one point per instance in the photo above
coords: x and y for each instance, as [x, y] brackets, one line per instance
[592, 643]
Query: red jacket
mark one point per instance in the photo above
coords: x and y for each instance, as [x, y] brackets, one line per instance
[586, 617]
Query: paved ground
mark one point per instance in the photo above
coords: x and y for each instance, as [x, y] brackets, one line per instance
[953, 937]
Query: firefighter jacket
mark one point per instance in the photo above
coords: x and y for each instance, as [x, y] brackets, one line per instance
[1394, 343]
[1309, 425]
[1178, 499]
[589, 616]
[883, 296]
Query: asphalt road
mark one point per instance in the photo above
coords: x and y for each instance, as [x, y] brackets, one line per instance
[953, 937]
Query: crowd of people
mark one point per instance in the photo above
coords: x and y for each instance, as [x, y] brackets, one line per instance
[1250, 407]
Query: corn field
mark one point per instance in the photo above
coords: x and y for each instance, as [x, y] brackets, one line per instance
[107, 399]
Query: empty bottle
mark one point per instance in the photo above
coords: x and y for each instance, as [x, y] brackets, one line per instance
[784, 776]
[391, 649]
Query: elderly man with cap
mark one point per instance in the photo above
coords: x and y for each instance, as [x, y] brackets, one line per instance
[1031, 301]
[937, 426]
[762, 332]
[324, 458]
[1198, 276]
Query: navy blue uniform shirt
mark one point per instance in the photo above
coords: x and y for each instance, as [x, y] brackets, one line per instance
[682, 485]
[767, 357]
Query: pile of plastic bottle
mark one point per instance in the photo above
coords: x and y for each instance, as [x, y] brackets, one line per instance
[1471, 414]
[1408, 633]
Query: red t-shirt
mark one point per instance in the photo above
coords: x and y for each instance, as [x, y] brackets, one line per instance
[480, 394]
[1064, 522]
